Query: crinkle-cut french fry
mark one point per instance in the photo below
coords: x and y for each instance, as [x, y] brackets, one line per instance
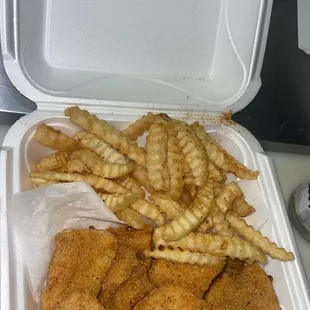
[138, 128]
[224, 200]
[206, 226]
[163, 118]
[38, 182]
[118, 202]
[52, 161]
[194, 153]
[182, 205]
[55, 139]
[204, 198]
[140, 175]
[106, 151]
[217, 245]
[224, 176]
[188, 257]
[220, 157]
[249, 233]
[215, 174]
[186, 168]
[149, 211]
[217, 188]
[242, 208]
[220, 225]
[94, 181]
[156, 155]
[175, 162]
[167, 205]
[133, 186]
[131, 218]
[192, 217]
[189, 179]
[74, 165]
[157, 237]
[186, 197]
[101, 168]
[107, 133]
[192, 190]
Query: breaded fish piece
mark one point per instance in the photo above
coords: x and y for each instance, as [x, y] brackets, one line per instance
[135, 239]
[126, 259]
[234, 266]
[247, 288]
[171, 297]
[80, 262]
[195, 278]
[133, 290]
[80, 300]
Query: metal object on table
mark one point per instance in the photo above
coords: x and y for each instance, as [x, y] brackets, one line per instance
[299, 210]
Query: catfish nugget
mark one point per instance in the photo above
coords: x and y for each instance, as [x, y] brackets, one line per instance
[80, 263]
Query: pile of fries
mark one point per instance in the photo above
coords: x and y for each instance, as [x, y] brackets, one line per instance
[177, 181]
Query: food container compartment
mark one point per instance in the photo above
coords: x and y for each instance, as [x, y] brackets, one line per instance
[121, 59]
[263, 193]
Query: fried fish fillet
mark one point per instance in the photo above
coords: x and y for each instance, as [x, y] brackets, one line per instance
[233, 267]
[138, 240]
[80, 262]
[171, 297]
[243, 287]
[195, 278]
[126, 259]
[80, 300]
[133, 290]
[131, 244]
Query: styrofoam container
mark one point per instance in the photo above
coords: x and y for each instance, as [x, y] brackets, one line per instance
[120, 59]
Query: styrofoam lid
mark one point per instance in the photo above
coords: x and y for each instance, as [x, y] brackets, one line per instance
[203, 54]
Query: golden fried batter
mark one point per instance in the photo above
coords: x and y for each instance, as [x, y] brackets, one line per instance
[132, 290]
[135, 239]
[171, 297]
[80, 300]
[234, 266]
[247, 288]
[80, 262]
[195, 278]
[126, 259]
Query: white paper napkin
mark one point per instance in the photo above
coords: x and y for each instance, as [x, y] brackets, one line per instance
[38, 215]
